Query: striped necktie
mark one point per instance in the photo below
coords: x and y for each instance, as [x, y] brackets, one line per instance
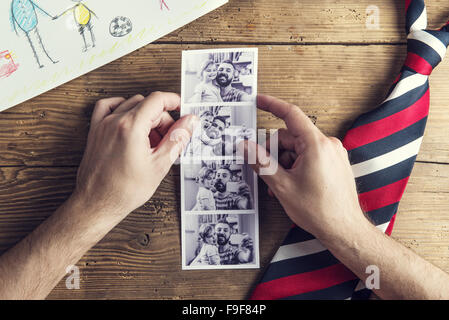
[382, 147]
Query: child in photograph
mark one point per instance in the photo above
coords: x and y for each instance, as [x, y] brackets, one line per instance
[204, 198]
[202, 143]
[207, 90]
[208, 254]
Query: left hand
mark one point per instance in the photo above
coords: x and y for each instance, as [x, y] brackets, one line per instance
[131, 146]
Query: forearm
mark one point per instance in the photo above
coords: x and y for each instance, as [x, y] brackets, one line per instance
[403, 274]
[32, 268]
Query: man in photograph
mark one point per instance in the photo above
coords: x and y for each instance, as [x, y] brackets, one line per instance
[227, 199]
[230, 254]
[225, 76]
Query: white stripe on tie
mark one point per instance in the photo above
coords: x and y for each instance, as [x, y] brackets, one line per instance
[406, 85]
[421, 22]
[387, 160]
[298, 249]
[383, 227]
[430, 40]
[360, 286]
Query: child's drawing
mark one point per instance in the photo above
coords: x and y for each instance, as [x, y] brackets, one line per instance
[83, 19]
[7, 65]
[24, 17]
[73, 35]
[163, 4]
[120, 27]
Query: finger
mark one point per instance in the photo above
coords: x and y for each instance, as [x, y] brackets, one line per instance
[174, 142]
[263, 164]
[297, 122]
[163, 123]
[103, 108]
[285, 140]
[287, 159]
[152, 107]
[155, 138]
[129, 104]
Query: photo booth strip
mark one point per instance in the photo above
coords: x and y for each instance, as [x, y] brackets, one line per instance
[237, 196]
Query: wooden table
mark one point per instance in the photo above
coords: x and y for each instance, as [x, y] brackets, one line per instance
[316, 54]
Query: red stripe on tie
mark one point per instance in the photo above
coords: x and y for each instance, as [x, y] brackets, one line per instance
[447, 23]
[302, 283]
[397, 78]
[390, 226]
[407, 4]
[419, 64]
[382, 128]
[383, 196]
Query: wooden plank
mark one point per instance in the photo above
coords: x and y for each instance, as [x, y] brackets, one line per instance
[140, 258]
[333, 84]
[305, 21]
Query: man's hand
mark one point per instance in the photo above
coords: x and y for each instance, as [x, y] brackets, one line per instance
[131, 146]
[313, 181]
[315, 185]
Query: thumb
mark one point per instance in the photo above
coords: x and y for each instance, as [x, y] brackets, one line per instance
[265, 165]
[175, 141]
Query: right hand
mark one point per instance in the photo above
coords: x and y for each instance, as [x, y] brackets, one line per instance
[313, 180]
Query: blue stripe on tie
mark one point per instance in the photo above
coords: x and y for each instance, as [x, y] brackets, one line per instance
[392, 106]
[424, 51]
[289, 267]
[402, 76]
[413, 13]
[297, 234]
[385, 176]
[338, 292]
[363, 294]
[382, 215]
[443, 36]
[388, 144]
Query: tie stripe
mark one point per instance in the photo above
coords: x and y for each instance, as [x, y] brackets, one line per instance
[382, 146]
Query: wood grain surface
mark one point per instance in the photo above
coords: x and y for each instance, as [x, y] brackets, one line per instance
[318, 55]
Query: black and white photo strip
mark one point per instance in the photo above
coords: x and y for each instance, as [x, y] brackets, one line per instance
[220, 241]
[219, 76]
[222, 185]
[219, 203]
[221, 129]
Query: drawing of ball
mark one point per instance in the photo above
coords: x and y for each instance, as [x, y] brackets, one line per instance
[120, 27]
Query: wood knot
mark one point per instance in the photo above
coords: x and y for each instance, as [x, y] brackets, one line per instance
[143, 239]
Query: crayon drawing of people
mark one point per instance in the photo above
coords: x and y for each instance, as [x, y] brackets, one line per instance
[83, 18]
[23, 16]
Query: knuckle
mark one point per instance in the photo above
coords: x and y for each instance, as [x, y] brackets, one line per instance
[100, 104]
[124, 125]
[138, 97]
[336, 141]
[157, 95]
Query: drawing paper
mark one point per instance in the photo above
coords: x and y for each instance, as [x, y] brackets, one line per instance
[45, 43]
